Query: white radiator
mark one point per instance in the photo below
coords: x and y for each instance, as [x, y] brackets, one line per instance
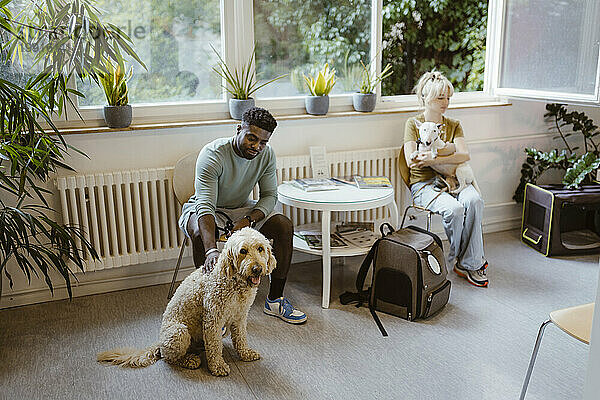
[130, 217]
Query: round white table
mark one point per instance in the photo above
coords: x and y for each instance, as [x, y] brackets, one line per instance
[346, 198]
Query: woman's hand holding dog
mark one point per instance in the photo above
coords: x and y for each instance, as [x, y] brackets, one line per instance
[423, 159]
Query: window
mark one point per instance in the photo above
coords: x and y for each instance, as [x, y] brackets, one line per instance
[173, 39]
[23, 66]
[420, 35]
[296, 37]
[559, 59]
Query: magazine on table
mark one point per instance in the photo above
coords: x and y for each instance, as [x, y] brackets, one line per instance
[372, 182]
[344, 180]
[359, 234]
[352, 226]
[314, 184]
[364, 238]
[314, 241]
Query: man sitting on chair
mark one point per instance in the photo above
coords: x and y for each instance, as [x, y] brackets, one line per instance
[227, 170]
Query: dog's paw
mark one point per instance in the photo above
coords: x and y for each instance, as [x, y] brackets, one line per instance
[219, 369]
[191, 361]
[249, 355]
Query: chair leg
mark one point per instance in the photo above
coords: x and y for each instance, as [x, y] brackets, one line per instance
[172, 288]
[536, 347]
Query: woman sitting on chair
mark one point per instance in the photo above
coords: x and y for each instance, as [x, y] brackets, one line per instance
[461, 213]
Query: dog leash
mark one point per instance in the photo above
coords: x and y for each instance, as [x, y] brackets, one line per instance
[228, 228]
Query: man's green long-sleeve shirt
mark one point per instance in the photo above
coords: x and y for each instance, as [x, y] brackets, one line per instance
[225, 180]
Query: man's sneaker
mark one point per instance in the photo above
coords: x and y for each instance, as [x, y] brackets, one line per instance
[477, 277]
[283, 309]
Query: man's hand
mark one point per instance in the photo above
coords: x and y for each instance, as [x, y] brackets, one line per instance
[239, 224]
[210, 261]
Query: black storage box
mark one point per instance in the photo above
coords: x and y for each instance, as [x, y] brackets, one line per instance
[559, 221]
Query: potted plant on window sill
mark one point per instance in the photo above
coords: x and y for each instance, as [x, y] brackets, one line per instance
[366, 99]
[117, 113]
[319, 87]
[240, 84]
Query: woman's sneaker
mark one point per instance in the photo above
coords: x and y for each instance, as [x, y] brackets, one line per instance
[283, 309]
[477, 277]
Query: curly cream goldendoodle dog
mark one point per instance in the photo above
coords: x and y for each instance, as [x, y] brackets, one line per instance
[205, 303]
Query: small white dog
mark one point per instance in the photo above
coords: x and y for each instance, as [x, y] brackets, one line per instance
[429, 140]
[205, 303]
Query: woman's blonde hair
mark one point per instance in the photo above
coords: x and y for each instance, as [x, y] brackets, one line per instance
[431, 85]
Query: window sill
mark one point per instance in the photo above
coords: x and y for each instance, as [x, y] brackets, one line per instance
[69, 130]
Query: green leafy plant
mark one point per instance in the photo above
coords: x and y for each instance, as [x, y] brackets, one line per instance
[322, 84]
[66, 39]
[578, 168]
[240, 83]
[370, 79]
[114, 83]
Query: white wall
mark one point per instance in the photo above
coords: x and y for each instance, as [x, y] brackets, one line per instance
[496, 138]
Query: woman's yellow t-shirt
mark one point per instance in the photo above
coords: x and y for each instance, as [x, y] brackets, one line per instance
[451, 129]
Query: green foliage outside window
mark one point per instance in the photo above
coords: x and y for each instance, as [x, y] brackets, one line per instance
[418, 35]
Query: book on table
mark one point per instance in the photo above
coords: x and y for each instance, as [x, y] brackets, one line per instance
[314, 184]
[372, 182]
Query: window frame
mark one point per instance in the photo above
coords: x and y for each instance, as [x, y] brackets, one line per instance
[237, 41]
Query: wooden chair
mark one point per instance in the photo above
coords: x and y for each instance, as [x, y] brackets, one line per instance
[183, 186]
[575, 321]
[405, 173]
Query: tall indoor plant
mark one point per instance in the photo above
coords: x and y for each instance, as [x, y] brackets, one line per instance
[319, 86]
[68, 39]
[240, 84]
[579, 168]
[113, 80]
[366, 98]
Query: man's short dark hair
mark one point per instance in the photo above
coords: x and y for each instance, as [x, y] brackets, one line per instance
[260, 118]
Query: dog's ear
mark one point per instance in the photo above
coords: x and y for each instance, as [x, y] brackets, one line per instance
[418, 124]
[271, 263]
[227, 261]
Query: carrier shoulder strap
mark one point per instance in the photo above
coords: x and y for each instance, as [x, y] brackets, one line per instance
[378, 321]
[364, 267]
[361, 296]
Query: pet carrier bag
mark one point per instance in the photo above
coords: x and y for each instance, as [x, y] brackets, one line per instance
[409, 275]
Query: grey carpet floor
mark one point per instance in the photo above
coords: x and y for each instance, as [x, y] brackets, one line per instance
[478, 347]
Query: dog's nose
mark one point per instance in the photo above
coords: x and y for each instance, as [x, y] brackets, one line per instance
[256, 269]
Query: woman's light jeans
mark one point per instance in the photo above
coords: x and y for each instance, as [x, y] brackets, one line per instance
[461, 217]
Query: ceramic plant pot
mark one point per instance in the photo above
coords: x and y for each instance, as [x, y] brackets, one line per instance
[237, 107]
[317, 105]
[364, 102]
[117, 116]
